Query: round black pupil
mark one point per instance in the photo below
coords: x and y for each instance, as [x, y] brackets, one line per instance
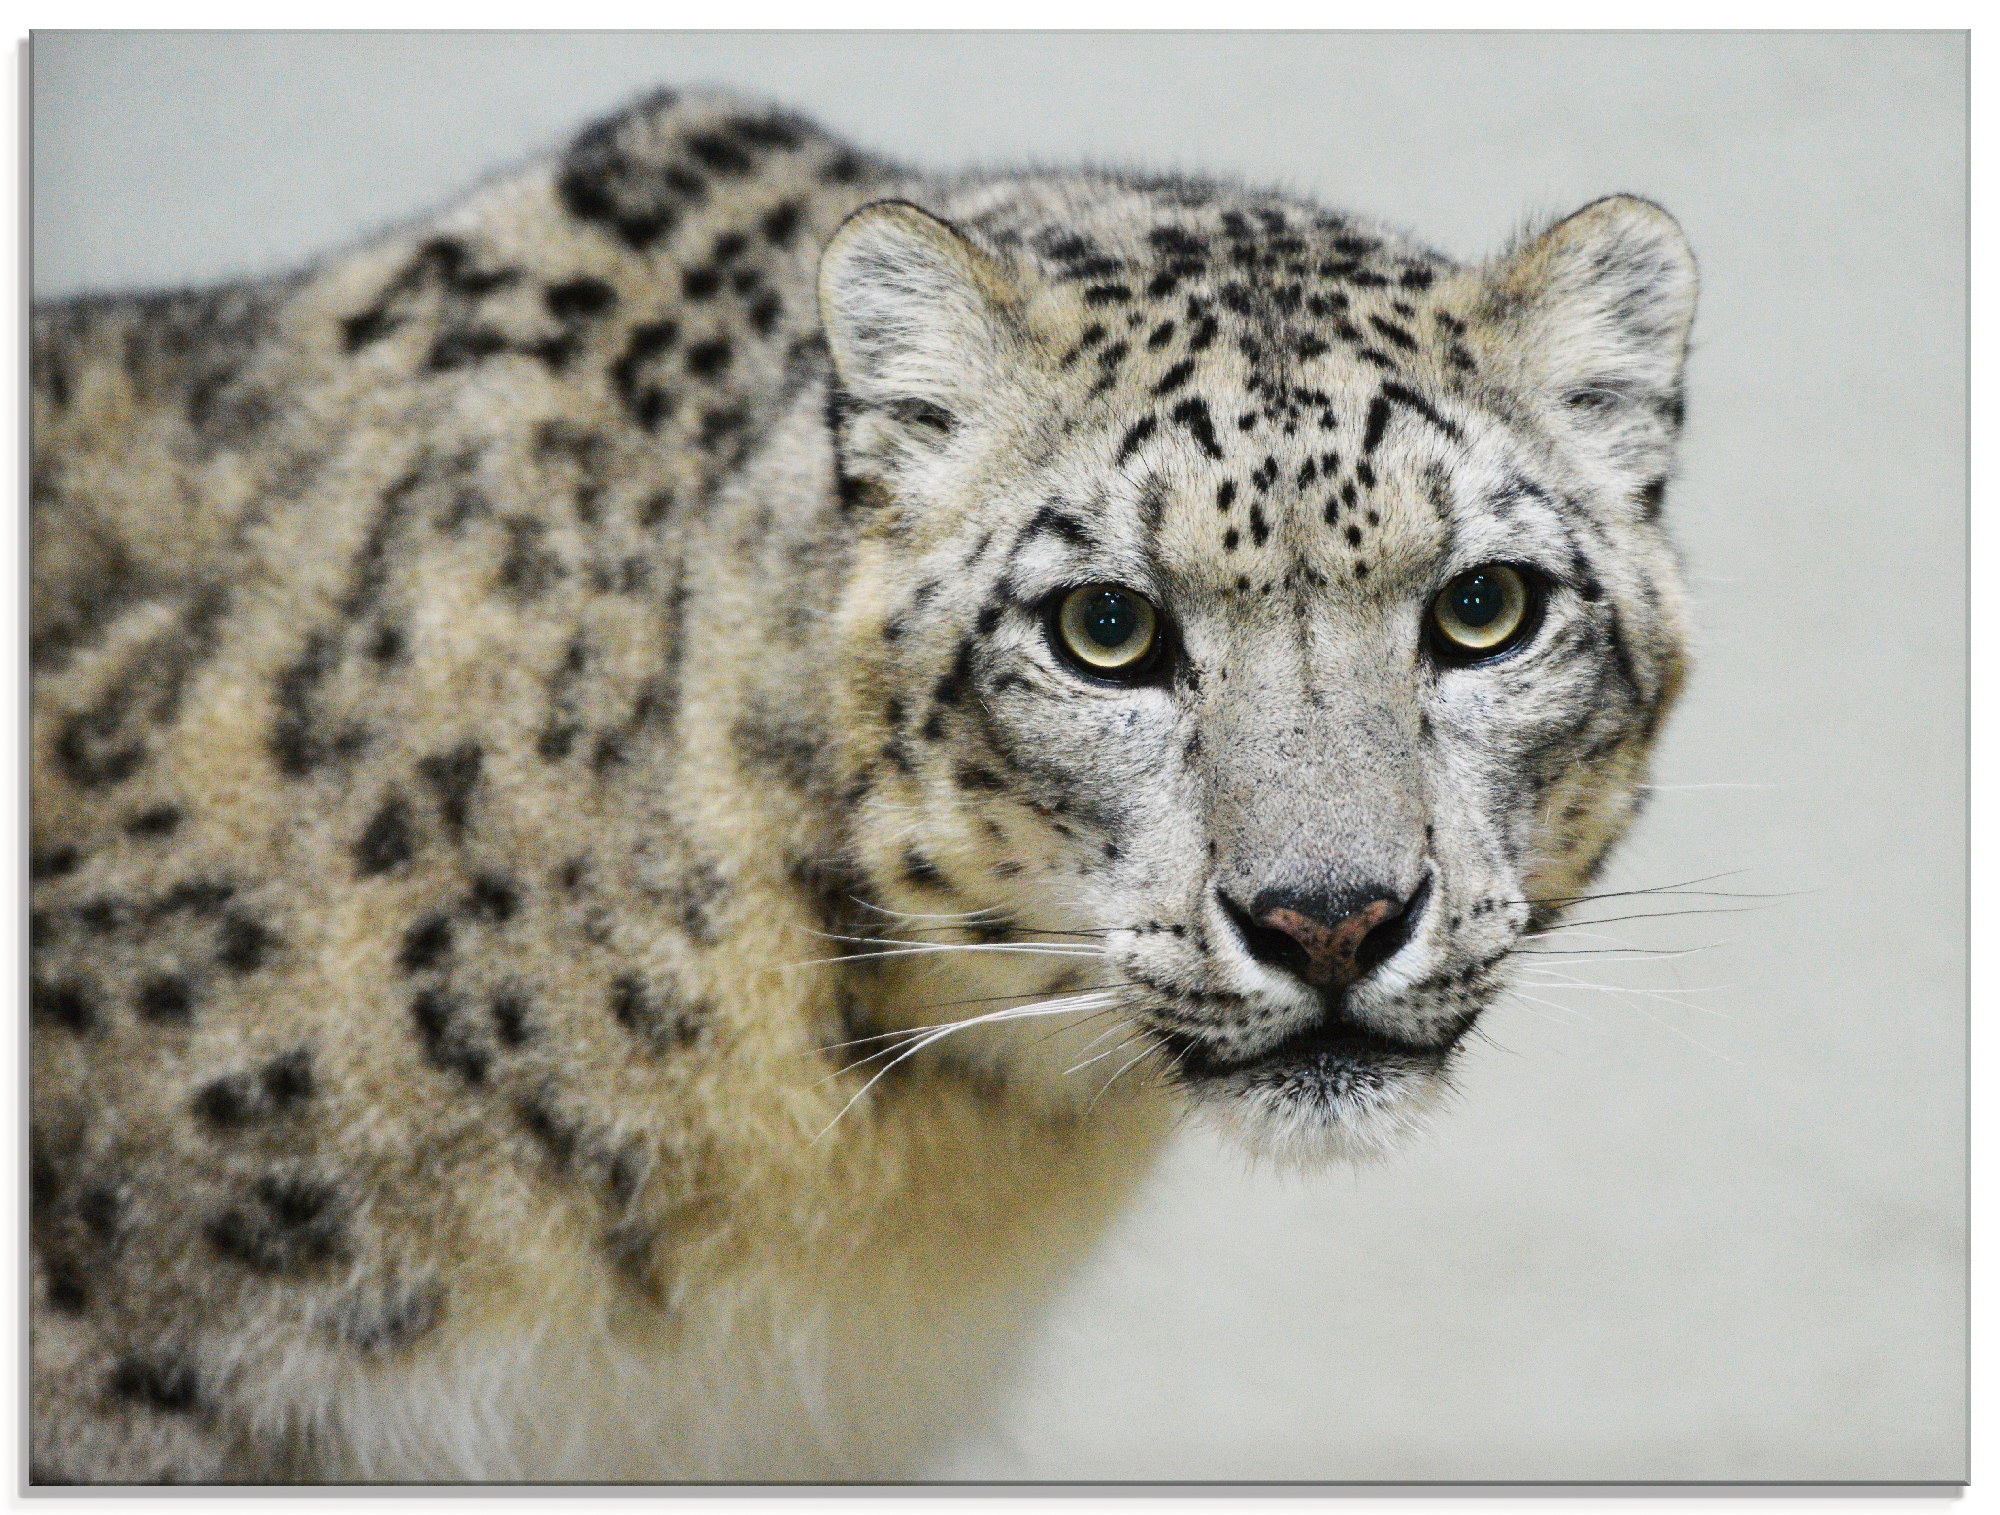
[1477, 598]
[1110, 620]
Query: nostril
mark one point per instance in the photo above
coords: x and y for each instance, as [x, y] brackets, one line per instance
[1270, 946]
[1390, 937]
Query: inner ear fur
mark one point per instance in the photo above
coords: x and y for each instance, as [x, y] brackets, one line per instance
[1597, 308]
[916, 317]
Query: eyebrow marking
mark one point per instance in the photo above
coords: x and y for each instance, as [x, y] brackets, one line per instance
[1059, 522]
[1393, 394]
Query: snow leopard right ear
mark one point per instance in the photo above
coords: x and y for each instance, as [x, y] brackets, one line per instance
[1590, 319]
[915, 317]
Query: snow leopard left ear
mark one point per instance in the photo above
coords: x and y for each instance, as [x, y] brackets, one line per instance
[915, 316]
[1591, 318]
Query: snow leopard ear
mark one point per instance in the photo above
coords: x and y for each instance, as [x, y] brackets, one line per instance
[914, 316]
[1592, 317]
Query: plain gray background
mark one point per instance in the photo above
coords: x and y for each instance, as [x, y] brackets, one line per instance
[1707, 1222]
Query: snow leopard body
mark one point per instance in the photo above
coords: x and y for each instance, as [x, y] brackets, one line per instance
[534, 714]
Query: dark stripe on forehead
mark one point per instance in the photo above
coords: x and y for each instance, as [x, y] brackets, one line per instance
[1392, 394]
[1515, 490]
[1051, 519]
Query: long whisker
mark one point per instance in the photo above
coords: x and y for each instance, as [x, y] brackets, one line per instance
[1618, 954]
[984, 913]
[918, 1038]
[1579, 1017]
[1685, 886]
[821, 1048]
[916, 949]
[1153, 1045]
[1666, 915]
[1099, 1057]
[1642, 1010]
[989, 922]
[1680, 999]
[1680, 788]
[1066, 1005]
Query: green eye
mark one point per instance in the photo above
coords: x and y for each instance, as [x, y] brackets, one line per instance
[1109, 630]
[1482, 612]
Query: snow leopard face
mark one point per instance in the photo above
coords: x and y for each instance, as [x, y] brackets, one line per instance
[1262, 604]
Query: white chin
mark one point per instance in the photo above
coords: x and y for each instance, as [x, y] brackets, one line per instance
[1317, 1113]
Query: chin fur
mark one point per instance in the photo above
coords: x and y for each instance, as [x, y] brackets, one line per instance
[1310, 1116]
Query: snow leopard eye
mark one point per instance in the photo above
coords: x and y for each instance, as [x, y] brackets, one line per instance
[1482, 613]
[1107, 630]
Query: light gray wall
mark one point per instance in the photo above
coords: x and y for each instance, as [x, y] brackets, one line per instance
[1708, 1224]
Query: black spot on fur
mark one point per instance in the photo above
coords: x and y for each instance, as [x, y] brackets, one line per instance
[654, 1020]
[645, 403]
[447, 1045]
[1051, 518]
[287, 1080]
[167, 998]
[64, 1284]
[298, 744]
[294, 1226]
[453, 776]
[164, 1386]
[720, 154]
[459, 349]
[1192, 413]
[425, 944]
[67, 1004]
[922, 872]
[555, 1132]
[493, 897]
[951, 685]
[53, 862]
[780, 222]
[510, 1020]
[365, 328]
[528, 569]
[243, 943]
[1135, 436]
[707, 359]
[226, 1102]
[579, 299]
[160, 820]
[387, 841]
[1175, 377]
[94, 749]
[242, 1099]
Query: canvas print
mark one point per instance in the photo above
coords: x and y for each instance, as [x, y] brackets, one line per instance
[685, 791]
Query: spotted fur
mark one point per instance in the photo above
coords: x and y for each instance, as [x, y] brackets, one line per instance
[484, 685]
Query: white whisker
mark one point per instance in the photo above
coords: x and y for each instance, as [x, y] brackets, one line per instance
[925, 1037]
[1153, 1045]
[914, 949]
[985, 914]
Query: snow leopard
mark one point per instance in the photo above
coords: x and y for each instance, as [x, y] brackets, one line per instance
[651, 795]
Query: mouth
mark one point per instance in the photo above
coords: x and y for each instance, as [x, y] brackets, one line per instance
[1332, 1091]
[1329, 1043]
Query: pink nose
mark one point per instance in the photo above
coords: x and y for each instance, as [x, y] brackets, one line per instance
[1331, 947]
